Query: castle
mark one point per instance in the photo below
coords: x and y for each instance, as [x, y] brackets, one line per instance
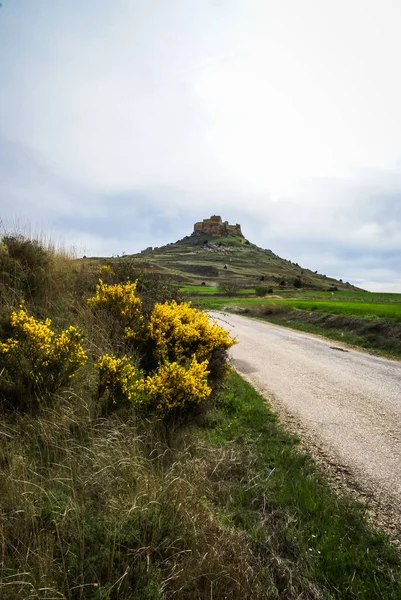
[216, 227]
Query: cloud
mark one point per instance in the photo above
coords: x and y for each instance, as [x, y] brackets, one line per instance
[123, 123]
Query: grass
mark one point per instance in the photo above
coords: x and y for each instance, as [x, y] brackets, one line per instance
[370, 321]
[123, 508]
[366, 309]
[206, 290]
[122, 504]
[198, 289]
[293, 295]
[283, 502]
[344, 294]
[203, 258]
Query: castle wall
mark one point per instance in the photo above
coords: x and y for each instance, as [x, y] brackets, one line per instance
[215, 226]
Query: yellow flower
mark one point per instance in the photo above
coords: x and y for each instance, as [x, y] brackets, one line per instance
[119, 376]
[174, 385]
[118, 297]
[181, 331]
[105, 269]
[8, 345]
[46, 356]
[67, 347]
[37, 333]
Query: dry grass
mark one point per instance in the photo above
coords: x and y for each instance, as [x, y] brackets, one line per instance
[133, 507]
[100, 508]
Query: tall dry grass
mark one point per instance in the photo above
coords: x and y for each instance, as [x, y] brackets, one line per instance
[105, 508]
[94, 507]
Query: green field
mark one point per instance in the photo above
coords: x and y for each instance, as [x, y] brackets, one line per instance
[367, 309]
[351, 295]
[344, 294]
[198, 290]
[366, 319]
[209, 290]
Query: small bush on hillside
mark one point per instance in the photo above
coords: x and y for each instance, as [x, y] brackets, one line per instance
[24, 266]
[119, 299]
[35, 359]
[154, 288]
[30, 253]
[229, 287]
[262, 290]
[120, 380]
[118, 311]
[36, 273]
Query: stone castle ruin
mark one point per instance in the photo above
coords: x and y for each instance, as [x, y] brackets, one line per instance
[216, 227]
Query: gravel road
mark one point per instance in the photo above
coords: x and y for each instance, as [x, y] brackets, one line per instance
[344, 403]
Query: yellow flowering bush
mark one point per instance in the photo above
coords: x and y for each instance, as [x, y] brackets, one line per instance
[180, 331]
[119, 298]
[36, 358]
[67, 349]
[122, 304]
[119, 377]
[182, 353]
[105, 269]
[175, 386]
[171, 386]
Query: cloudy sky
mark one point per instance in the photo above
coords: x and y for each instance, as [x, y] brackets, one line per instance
[123, 122]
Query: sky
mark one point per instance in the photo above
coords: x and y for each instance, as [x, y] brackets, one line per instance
[123, 123]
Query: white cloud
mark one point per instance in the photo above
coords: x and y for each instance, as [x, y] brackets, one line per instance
[283, 116]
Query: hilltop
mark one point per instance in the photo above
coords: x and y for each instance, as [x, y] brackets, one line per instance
[217, 250]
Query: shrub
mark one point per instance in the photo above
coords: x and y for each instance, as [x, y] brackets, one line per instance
[119, 299]
[37, 273]
[120, 313]
[229, 287]
[36, 359]
[105, 270]
[174, 343]
[119, 378]
[180, 332]
[171, 386]
[176, 347]
[24, 265]
[176, 386]
[151, 287]
[262, 290]
[30, 253]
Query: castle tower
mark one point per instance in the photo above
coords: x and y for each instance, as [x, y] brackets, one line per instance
[216, 227]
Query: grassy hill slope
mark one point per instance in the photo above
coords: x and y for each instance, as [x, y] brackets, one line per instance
[202, 258]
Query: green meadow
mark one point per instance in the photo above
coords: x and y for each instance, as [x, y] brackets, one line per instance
[371, 320]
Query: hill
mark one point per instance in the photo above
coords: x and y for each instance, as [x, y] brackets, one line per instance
[217, 250]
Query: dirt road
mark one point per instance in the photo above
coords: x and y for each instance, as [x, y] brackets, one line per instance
[344, 403]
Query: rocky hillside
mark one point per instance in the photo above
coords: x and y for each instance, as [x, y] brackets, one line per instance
[205, 257]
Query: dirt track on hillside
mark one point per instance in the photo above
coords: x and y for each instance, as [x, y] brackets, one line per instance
[344, 404]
